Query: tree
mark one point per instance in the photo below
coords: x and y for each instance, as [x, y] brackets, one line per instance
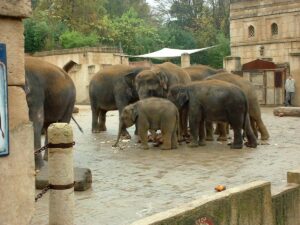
[75, 39]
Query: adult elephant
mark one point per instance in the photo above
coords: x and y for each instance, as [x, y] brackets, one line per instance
[254, 108]
[50, 95]
[215, 101]
[111, 89]
[157, 81]
[200, 72]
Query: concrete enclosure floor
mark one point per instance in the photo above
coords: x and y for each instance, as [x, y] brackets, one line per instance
[131, 183]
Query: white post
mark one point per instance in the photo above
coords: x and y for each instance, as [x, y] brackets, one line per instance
[185, 60]
[61, 174]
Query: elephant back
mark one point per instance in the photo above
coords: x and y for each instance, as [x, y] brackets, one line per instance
[175, 74]
[200, 72]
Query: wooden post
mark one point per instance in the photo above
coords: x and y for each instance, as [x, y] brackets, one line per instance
[61, 174]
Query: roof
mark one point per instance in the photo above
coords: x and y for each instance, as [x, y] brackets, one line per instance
[167, 53]
[259, 64]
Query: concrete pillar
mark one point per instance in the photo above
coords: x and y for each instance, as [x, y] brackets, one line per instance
[185, 60]
[293, 176]
[17, 169]
[232, 63]
[61, 175]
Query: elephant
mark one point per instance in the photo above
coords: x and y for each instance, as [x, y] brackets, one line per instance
[254, 108]
[215, 101]
[157, 81]
[200, 72]
[112, 89]
[50, 96]
[152, 114]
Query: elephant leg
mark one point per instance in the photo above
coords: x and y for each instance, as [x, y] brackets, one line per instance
[95, 120]
[209, 131]
[166, 140]
[252, 141]
[37, 116]
[183, 114]
[222, 128]
[254, 128]
[143, 133]
[194, 121]
[201, 141]
[262, 129]
[174, 140]
[102, 120]
[237, 139]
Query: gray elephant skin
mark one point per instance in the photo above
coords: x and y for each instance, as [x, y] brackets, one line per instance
[157, 81]
[254, 107]
[200, 72]
[215, 101]
[50, 95]
[152, 114]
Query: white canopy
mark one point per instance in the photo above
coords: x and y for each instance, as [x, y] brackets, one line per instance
[166, 53]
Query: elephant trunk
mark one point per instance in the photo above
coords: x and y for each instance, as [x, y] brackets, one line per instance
[121, 126]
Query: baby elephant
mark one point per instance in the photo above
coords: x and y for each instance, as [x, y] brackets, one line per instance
[152, 114]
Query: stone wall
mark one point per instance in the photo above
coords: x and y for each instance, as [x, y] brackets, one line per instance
[17, 169]
[249, 204]
[88, 60]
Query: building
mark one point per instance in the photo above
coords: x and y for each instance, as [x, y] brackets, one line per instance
[268, 30]
[82, 64]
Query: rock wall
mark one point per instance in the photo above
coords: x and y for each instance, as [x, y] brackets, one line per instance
[17, 169]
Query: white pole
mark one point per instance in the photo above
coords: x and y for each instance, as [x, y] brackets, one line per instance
[61, 174]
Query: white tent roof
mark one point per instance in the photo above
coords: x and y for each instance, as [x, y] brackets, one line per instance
[166, 53]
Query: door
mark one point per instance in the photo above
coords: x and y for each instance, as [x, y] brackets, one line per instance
[258, 81]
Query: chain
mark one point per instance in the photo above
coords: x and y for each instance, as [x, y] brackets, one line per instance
[41, 149]
[44, 191]
[60, 145]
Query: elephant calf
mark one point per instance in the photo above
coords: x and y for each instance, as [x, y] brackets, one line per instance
[214, 101]
[152, 114]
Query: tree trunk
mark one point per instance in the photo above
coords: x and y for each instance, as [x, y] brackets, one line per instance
[287, 111]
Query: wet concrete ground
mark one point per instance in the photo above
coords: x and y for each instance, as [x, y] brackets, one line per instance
[132, 183]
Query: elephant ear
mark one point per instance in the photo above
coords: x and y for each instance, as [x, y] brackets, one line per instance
[130, 77]
[179, 95]
[134, 113]
[163, 79]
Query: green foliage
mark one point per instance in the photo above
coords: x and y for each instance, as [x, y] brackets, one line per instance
[75, 39]
[182, 24]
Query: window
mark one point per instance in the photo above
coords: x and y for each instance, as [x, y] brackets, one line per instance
[274, 29]
[251, 31]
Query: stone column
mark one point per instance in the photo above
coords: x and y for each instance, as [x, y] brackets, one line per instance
[185, 60]
[61, 173]
[17, 169]
[232, 63]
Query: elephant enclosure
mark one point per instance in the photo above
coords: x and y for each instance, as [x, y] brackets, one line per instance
[131, 183]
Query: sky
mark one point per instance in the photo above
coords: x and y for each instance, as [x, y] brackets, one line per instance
[151, 2]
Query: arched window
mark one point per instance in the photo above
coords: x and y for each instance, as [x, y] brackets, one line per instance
[251, 31]
[274, 29]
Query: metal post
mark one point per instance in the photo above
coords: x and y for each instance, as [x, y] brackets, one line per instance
[61, 174]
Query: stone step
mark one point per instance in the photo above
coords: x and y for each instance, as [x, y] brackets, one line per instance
[82, 176]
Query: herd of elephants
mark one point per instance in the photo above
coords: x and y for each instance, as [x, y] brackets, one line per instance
[182, 103]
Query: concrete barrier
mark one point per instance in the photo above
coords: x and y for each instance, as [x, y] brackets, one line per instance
[249, 204]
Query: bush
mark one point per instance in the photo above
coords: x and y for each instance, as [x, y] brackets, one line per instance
[74, 39]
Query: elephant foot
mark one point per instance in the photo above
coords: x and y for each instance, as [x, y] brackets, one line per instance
[201, 143]
[251, 145]
[265, 137]
[209, 138]
[145, 147]
[95, 130]
[174, 146]
[165, 147]
[193, 144]
[236, 146]
[102, 128]
[222, 138]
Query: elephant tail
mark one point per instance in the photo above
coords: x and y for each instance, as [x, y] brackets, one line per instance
[245, 114]
[79, 127]
[178, 125]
